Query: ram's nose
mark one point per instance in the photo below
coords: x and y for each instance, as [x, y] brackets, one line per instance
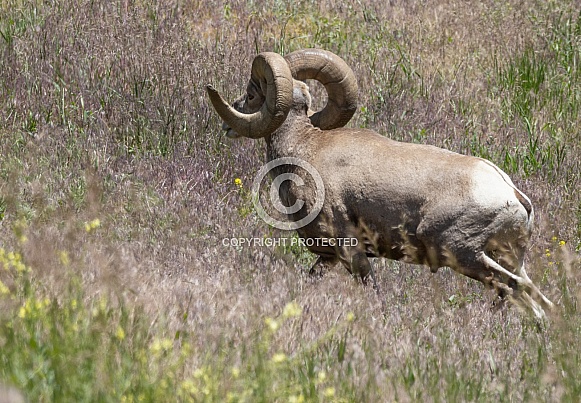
[229, 132]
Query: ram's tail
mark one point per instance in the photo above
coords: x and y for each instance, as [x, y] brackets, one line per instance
[521, 197]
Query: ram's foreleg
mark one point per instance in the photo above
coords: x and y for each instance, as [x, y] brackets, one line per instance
[322, 263]
[357, 263]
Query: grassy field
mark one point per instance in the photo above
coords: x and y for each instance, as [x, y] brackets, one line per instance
[117, 188]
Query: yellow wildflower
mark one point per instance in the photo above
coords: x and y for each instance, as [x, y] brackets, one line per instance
[155, 347]
[38, 305]
[292, 309]
[186, 349]
[272, 324]
[26, 309]
[232, 397]
[238, 182]
[120, 333]
[562, 243]
[158, 346]
[12, 260]
[329, 392]
[64, 258]
[188, 387]
[4, 289]
[278, 358]
[91, 225]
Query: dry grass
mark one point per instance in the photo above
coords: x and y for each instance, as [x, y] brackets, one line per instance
[103, 115]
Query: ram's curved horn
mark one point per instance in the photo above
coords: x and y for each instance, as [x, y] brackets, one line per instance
[338, 79]
[272, 76]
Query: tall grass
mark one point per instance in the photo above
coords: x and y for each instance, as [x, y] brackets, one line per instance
[117, 189]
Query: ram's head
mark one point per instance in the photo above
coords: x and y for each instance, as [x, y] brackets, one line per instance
[276, 86]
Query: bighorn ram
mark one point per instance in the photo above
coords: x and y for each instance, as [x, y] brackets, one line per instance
[415, 203]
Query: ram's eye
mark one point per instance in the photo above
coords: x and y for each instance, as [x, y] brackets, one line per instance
[250, 97]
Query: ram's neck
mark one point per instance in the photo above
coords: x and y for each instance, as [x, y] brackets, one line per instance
[292, 138]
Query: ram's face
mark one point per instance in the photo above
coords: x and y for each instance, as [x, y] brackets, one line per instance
[253, 100]
[250, 102]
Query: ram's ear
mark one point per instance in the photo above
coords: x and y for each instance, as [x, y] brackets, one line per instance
[302, 92]
[337, 78]
[271, 72]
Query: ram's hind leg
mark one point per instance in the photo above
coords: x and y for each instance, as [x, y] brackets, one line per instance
[535, 293]
[488, 271]
[521, 279]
